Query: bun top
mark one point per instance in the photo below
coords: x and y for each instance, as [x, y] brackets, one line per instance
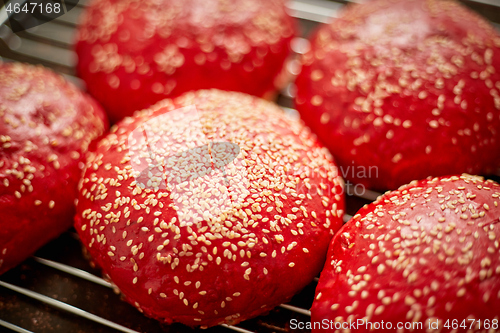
[46, 127]
[411, 87]
[149, 50]
[252, 23]
[426, 251]
[41, 113]
[217, 196]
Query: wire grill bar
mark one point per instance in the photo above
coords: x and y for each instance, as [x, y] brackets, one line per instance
[95, 279]
[296, 309]
[13, 327]
[77, 311]
[74, 271]
[66, 307]
[317, 11]
[236, 329]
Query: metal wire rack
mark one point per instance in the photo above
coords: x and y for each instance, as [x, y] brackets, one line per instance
[57, 290]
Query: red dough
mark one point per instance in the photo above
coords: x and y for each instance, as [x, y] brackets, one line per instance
[402, 90]
[211, 208]
[425, 252]
[135, 53]
[46, 126]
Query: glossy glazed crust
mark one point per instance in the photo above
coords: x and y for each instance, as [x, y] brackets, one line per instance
[46, 126]
[409, 88]
[228, 244]
[424, 252]
[135, 53]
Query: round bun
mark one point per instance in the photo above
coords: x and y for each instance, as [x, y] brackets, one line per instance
[46, 126]
[201, 209]
[426, 252]
[409, 87]
[135, 53]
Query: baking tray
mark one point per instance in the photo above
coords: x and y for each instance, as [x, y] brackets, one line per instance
[57, 290]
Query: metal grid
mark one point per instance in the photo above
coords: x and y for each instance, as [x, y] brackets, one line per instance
[57, 290]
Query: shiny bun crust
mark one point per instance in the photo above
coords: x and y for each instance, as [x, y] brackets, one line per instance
[426, 252]
[189, 235]
[135, 53]
[408, 87]
[46, 126]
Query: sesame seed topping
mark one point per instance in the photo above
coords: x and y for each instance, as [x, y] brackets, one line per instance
[200, 221]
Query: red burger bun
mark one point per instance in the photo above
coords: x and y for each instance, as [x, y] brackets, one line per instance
[427, 252]
[132, 54]
[211, 208]
[46, 126]
[406, 90]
